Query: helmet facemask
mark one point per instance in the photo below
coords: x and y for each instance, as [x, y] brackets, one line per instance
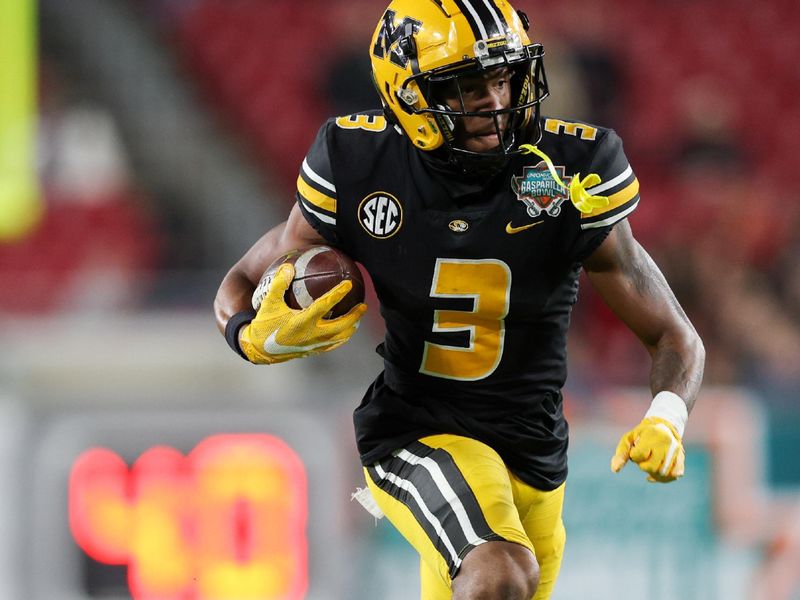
[513, 125]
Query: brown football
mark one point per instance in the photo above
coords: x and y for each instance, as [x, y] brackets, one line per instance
[317, 269]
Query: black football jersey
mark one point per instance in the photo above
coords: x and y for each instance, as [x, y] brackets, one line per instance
[476, 282]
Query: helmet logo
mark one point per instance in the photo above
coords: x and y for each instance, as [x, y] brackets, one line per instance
[538, 191]
[380, 214]
[396, 40]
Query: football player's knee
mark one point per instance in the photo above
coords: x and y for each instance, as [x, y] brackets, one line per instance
[533, 575]
[511, 574]
[514, 580]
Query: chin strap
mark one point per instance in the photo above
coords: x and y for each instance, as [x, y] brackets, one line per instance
[578, 194]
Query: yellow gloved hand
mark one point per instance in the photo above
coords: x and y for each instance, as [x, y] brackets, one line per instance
[581, 198]
[279, 333]
[654, 445]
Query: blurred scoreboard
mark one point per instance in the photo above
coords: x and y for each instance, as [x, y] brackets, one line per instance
[188, 506]
[226, 521]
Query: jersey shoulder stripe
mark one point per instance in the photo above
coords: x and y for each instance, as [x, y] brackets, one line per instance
[611, 217]
[312, 195]
[617, 199]
[316, 189]
[621, 197]
[315, 207]
[614, 184]
[618, 181]
[317, 180]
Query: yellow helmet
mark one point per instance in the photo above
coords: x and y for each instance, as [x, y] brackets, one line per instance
[420, 44]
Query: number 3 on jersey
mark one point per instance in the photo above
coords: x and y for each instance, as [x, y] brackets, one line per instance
[374, 123]
[487, 282]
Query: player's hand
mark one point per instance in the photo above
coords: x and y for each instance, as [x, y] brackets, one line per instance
[654, 445]
[279, 333]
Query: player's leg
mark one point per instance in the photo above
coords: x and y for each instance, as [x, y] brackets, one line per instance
[541, 519]
[451, 497]
[497, 570]
[432, 585]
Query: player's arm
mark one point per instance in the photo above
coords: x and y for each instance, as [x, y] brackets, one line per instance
[276, 333]
[237, 287]
[634, 288]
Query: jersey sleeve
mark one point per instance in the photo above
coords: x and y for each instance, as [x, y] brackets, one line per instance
[618, 183]
[316, 190]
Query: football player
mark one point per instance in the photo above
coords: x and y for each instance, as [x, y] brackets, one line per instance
[473, 215]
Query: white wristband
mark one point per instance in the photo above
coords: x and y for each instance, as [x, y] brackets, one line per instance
[671, 407]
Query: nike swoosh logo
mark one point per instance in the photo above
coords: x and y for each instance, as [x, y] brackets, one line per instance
[271, 346]
[512, 230]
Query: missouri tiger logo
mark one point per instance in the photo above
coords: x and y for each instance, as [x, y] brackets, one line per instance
[381, 215]
[396, 40]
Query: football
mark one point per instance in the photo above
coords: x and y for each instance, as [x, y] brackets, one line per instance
[317, 270]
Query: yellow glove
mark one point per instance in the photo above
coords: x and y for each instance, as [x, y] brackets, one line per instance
[655, 443]
[279, 333]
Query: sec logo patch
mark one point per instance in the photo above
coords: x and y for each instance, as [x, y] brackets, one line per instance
[381, 215]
